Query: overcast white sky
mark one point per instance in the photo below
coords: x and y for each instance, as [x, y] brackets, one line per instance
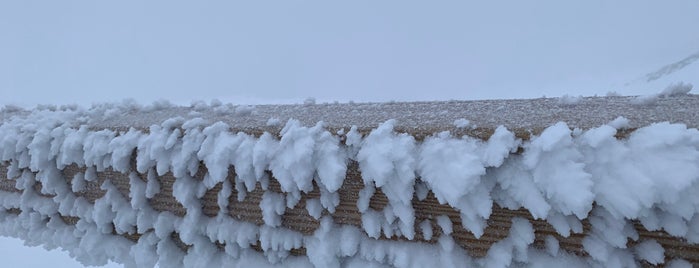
[267, 51]
[81, 52]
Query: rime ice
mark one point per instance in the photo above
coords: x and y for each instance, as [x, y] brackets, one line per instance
[651, 177]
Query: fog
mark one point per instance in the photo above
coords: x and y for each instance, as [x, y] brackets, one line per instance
[268, 52]
[64, 52]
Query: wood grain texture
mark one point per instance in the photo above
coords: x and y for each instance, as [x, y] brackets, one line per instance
[298, 219]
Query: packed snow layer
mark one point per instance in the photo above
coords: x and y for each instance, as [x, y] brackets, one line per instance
[562, 176]
[417, 118]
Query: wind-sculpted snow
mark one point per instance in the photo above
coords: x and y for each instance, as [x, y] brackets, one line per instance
[563, 176]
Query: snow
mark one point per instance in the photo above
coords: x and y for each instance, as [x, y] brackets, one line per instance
[619, 123]
[273, 122]
[678, 264]
[387, 159]
[371, 222]
[309, 101]
[552, 245]
[445, 223]
[513, 248]
[314, 208]
[677, 89]
[651, 176]
[292, 163]
[461, 123]
[243, 110]
[419, 117]
[426, 228]
[452, 169]
[558, 172]
[569, 100]
[650, 251]
[273, 207]
[673, 90]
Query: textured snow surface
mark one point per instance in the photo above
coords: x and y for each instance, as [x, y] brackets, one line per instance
[652, 176]
[415, 117]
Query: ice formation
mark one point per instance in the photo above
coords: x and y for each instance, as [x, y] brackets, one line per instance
[562, 176]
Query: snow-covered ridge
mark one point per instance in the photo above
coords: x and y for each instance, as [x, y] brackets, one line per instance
[569, 178]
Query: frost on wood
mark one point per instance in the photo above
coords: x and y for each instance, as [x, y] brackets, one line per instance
[568, 178]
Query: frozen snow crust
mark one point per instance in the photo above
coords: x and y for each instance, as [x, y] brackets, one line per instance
[191, 192]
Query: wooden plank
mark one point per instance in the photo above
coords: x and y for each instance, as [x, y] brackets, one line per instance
[298, 219]
[420, 119]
